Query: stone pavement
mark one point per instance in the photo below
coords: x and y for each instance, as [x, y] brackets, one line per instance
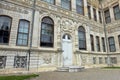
[89, 74]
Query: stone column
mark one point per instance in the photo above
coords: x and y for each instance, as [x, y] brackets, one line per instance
[91, 8]
[111, 14]
[95, 49]
[85, 8]
[58, 2]
[116, 43]
[73, 5]
[97, 15]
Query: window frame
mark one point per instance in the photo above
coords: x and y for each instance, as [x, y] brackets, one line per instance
[89, 11]
[115, 13]
[9, 30]
[84, 34]
[23, 33]
[92, 42]
[95, 14]
[98, 43]
[103, 44]
[52, 44]
[111, 44]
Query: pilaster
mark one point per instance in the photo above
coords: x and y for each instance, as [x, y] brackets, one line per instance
[73, 5]
[85, 8]
[91, 8]
[111, 14]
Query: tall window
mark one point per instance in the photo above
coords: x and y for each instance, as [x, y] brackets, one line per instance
[119, 39]
[112, 47]
[47, 32]
[97, 43]
[100, 16]
[23, 33]
[94, 12]
[103, 44]
[116, 10]
[92, 42]
[49, 1]
[89, 12]
[80, 6]
[107, 16]
[82, 38]
[66, 4]
[5, 26]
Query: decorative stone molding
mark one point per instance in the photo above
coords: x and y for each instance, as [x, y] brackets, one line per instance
[13, 7]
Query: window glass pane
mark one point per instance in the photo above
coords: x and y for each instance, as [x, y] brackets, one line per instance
[66, 4]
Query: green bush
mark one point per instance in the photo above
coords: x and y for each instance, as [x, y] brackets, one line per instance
[16, 77]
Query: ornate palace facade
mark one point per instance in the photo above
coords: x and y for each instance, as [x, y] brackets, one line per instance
[41, 35]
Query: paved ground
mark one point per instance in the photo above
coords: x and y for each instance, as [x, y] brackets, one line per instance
[90, 74]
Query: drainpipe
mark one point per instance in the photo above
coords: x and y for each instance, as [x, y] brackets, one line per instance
[31, 35]
[106, 38]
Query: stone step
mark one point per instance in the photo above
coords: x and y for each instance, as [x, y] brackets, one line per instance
[70, 69]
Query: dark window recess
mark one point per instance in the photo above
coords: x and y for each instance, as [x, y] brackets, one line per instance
[89, 12]
[94, 12]
[92, 42]
[5, 26]
[107, 16]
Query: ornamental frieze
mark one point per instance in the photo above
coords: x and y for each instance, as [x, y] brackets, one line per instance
[13, 8]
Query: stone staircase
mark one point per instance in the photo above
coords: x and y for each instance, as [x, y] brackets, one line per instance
[70, 69]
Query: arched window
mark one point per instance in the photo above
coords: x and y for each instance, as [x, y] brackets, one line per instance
[112, 47]
[47, 32]
[66, 4]
[5, 26]
[82, 38]
[23, 33]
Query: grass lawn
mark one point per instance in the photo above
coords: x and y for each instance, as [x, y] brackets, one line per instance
[17, 77]
[111, 68]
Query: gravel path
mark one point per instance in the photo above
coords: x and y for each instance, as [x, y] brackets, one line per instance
[89, 74]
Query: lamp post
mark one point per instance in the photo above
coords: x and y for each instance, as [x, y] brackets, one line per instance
[106, 39]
